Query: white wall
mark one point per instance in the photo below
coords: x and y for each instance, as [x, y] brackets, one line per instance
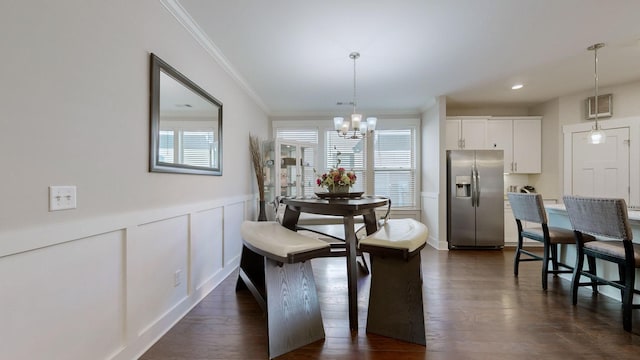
[434, 173]
[549, 182]
[97, 282]
[568, 110]
[625, 103]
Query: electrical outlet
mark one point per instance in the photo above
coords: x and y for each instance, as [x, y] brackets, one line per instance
[177, 278]
[62, 197]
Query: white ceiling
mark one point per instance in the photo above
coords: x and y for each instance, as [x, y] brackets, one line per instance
[294, 55]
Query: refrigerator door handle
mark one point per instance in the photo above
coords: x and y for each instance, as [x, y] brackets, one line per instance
[473, 185]
[476, 181]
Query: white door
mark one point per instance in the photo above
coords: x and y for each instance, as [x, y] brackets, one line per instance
[601, 170]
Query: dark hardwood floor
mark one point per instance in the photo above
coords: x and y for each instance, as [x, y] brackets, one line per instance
[474, 309]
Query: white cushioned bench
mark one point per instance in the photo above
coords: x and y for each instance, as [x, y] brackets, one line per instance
[270, 239]
[275, 269]
[404, 235]
[395, 299]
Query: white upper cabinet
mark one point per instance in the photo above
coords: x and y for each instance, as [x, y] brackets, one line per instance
[452, 139]
[527, 146]
[466, 133]
[500, 136]
[521, 140]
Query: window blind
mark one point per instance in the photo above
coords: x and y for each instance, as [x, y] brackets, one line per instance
[305, 135]
[395, 165]
[197, 148]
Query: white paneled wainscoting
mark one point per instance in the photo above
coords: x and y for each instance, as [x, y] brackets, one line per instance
[431, 210]
[108, 288]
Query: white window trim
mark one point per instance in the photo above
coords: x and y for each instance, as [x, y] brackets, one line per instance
[401, 123]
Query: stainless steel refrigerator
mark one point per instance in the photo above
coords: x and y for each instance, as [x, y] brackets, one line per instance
[475, 199]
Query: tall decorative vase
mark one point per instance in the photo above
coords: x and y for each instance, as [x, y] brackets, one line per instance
[262, 214]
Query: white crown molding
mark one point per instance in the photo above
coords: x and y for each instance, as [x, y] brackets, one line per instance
[330, 114]
[431, 102]
[175, 8]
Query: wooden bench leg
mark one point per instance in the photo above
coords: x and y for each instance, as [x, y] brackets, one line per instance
[395, 299]
[293, 310]
[251, 276]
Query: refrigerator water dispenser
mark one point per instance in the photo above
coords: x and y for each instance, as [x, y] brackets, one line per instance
[463, 186]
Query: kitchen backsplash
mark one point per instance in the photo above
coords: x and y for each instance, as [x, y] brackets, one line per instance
[515, 182]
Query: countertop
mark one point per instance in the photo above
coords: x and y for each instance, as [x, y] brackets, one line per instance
[634, 214]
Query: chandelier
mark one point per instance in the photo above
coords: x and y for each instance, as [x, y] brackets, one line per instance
[356, 128]
[596, 136]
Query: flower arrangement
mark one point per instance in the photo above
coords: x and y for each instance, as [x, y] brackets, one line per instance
[337, 179]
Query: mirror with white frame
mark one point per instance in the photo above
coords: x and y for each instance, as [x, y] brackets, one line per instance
[186, 124]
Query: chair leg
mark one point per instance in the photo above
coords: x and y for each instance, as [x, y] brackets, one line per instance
[545, 264]
[622, 274]
[554, 258]
[395, 299]
[591, 261]
[577, 271]
[293, 308]
[627, 296]
[516, 260]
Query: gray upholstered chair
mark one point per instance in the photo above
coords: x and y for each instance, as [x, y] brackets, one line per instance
[530, 208]
[607, 218]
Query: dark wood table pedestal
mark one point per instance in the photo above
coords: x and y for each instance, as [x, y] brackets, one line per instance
[347, 208]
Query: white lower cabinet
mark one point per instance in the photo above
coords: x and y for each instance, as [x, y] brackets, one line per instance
[510, 227]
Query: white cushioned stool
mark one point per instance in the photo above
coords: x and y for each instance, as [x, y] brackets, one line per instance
[395, 299]
[274, 268]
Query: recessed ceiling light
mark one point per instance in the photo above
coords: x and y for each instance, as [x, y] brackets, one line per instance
[517, 86]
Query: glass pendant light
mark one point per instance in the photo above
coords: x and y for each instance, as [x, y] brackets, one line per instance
[359, 129]
[596, 135]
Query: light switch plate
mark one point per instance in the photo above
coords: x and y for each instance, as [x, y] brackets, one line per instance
[62, 198]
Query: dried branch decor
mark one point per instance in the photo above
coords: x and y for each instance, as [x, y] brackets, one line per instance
[258, 161]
